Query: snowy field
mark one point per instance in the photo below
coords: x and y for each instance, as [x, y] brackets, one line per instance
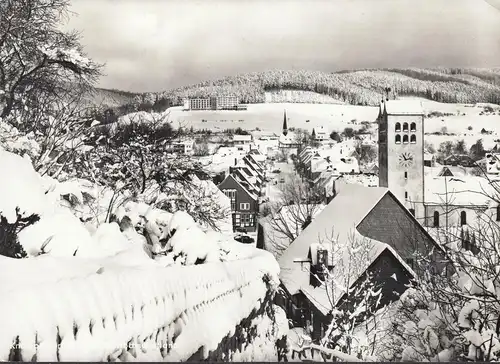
[268, 117]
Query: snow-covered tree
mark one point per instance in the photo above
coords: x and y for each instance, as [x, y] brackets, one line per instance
[453, 314]
[290, 213]
[137, 157]
[36, 57]
[44, 77]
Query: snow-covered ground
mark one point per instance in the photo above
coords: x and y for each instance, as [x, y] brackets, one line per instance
[97, 292]
[269, 117]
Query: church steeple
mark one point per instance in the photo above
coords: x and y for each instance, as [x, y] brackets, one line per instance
[285, 127]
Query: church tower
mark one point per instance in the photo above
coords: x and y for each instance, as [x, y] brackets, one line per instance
[401, 152]
[285, 127]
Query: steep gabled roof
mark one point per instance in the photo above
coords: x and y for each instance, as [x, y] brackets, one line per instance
[338, 223]
[445, 172]
[245, 181]
[338, 220]
[255, 165]
[252, 195]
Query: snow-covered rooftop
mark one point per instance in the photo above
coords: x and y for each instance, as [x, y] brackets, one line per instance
[335, 229]
[463, 190]
[404, 107]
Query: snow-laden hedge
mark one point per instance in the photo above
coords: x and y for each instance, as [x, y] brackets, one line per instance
[89, 289]
[141, 313]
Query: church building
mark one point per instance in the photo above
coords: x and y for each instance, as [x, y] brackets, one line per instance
[288, 139]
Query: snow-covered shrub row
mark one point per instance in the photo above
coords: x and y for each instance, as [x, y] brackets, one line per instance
[433, 321]
[62, 206]
[133, 313]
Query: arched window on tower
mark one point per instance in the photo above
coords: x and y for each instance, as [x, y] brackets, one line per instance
[398, 139]
[397, 128]
[405, 126]
[413, 127]
[463, 218]
[436, 219]
[405, 139]
[413, 139]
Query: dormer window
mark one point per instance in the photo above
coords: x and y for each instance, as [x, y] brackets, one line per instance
[320, 265]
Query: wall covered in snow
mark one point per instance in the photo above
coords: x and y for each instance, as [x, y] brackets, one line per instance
[132, 313]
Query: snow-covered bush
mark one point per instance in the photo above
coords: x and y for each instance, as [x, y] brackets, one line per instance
[452, 315]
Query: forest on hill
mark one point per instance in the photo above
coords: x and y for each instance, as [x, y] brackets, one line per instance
[361, 87]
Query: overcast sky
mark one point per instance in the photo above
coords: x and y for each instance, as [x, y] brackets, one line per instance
[153, 45]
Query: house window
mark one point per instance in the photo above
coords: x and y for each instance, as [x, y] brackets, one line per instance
[397, 127]
[410, 262]
[398, 139]
[498, 213]
[406, 175]
[405, 127]
[246, 220]
[237, 220]
[412, 211]
[413, 127]
[252, 221]
[463, 218]
[232, 196]
[413, 139]
[244, 206]
[405, 139]
[436, 219]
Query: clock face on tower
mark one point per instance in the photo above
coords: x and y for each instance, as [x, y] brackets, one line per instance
[406, 159]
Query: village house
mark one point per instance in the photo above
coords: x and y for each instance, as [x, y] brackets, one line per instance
[244, 201]
[320, 134]
[429, 159]
[385, 236]
[242, 142]
[458, 160]
[243, 186]
[185, 146]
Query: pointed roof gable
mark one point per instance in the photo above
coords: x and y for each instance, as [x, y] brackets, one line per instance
[445, 172]
[285, 126]
[338, 222]
[235, 179]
